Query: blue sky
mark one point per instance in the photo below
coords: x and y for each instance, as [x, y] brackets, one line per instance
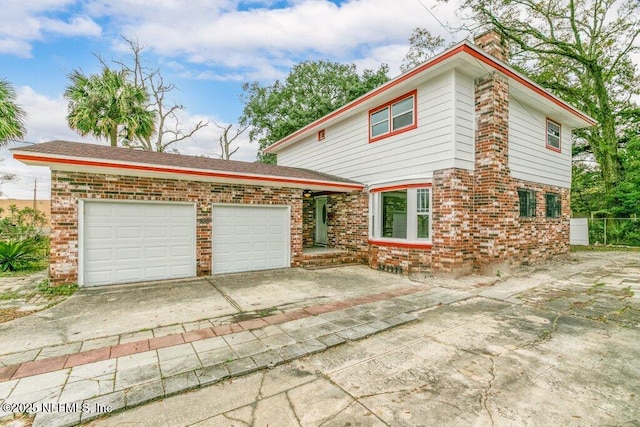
[208, 48]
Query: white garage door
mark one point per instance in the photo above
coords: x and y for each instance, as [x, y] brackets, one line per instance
[247, 238]
[133, 242]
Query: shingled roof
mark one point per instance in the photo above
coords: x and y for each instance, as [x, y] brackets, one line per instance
[101, 155]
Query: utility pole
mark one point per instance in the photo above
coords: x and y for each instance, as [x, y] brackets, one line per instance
[35, 188]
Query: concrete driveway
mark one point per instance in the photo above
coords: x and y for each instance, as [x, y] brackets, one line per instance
[556, 344]
[117, 314]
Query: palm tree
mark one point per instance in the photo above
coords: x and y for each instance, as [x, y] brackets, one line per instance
[108, 106]
[11, 115]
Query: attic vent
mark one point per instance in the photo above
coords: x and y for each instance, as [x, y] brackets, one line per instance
[395, 269]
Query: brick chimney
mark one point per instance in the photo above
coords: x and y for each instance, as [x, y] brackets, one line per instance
[493, 44]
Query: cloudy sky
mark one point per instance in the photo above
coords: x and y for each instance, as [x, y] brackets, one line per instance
[208, 48]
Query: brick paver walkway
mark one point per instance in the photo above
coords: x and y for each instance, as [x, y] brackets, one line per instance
[80, 381]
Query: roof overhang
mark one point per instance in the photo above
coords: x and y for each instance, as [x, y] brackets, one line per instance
[92, 165]
[468, 59]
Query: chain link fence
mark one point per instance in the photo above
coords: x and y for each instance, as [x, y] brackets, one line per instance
[614, 231]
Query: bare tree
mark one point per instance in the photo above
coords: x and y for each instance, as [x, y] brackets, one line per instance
[168, 127]
[227, 138]
[4, 178]
[423, 45]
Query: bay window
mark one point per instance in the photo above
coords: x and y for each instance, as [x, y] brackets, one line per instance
[401, 214]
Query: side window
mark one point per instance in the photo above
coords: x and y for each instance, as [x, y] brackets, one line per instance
[423, 211]
[554, 205]
[527, 200]
[553, 135]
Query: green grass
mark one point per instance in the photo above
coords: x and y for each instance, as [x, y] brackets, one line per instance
[55, 291]
[33, 267]
[9, 295]
[603, 248]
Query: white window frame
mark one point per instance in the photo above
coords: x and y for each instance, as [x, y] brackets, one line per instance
[375, 215]
[553, 136]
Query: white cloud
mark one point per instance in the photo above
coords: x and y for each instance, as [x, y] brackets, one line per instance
[24, 22]
[46, 117]
[25, 178]
[46, 121]
[76, 26]
[262, 42]
[241, 39]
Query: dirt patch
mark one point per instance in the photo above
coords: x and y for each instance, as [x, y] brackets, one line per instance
[22, 295]
[19, 420]
[7, 314]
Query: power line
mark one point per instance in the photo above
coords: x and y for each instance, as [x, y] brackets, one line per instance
[436, 18]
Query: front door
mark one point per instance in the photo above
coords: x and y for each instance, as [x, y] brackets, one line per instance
[321, 220]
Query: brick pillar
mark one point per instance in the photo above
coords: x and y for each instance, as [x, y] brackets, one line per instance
[453, 230]
[495, 193]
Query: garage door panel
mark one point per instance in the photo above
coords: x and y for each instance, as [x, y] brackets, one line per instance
[178, 231]
[260, 246]
[244, 238]
[99, 255]
[155, 272]
[124, 275]
[129, 242]
[179, 271]
[102, 277]
[180, 251]
[129, 210]
[157, 232]
[151, 252]
[128, 254]
[128, 232]
[99, 232]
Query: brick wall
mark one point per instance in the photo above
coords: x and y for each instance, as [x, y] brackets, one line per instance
[68, 187]
[541, 238]
[452, 229]
[308, 222]
[348, 222]
[501, 237]
[398, 259]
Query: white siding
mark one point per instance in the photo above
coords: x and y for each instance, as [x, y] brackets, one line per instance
[529, 159]
[464, 121]
[346, 151]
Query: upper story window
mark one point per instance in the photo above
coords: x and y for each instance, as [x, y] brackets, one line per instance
[402, 214]
[553, 135]
[393, 117]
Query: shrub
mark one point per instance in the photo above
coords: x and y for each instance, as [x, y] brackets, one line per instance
[17, 254]
[22, 224]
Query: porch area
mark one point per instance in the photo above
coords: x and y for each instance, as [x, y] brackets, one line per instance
[335, 229]
[322, 257]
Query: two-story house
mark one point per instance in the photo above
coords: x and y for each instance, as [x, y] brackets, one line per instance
[459, 163]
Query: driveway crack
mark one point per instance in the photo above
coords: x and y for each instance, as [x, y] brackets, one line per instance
[226, 296]
[293, 409]
[484, 397]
